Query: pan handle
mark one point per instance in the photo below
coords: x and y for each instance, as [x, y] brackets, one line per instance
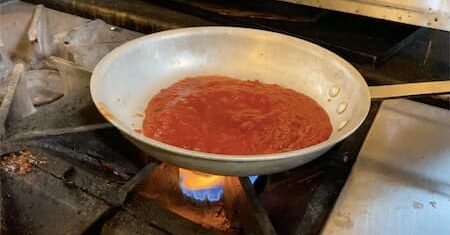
[409, 89]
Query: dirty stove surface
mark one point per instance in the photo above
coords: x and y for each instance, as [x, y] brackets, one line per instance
[65, 170]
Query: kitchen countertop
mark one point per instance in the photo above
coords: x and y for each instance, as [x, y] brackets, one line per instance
[400, 183]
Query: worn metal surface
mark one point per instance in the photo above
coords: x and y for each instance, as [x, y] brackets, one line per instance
[259, 11]
[135, 14]
[124, 223]
[421, 55]
[433, 14]
[426, 59]
[95, 163]
[122, 193]
[7, 100]
[88, 155]
[90, 167]
[358, 39]
[400, 183]
[75, 108]
[98, 165]
[297, 20]
[32, 207]
[147, 212]
[88, 162]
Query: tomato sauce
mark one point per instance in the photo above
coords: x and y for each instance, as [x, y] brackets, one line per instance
[223, 115]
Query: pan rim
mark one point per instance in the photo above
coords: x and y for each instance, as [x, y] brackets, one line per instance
[100, 67]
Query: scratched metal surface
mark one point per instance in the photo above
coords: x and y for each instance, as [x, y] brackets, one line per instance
[426, 13]
[400, 183]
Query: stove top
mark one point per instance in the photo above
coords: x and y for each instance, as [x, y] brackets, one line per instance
[65, 170]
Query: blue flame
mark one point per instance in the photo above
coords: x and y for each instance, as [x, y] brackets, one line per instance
[253, 178]
[212, 194]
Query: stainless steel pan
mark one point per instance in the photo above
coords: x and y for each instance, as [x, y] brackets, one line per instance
[126, 79]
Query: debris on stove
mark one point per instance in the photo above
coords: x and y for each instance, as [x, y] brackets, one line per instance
[21, 162]
[22, 105]
[75, 77]
[16, 101]
[5, 70]
[56, 50]
[5, 63]
[3, 88]
[40, 37]
[44, 86]
[89, 55]
[87, 44]
[115, 170]
[97, 31]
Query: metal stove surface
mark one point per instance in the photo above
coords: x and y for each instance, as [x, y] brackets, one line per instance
[399, 184]
[86, 183]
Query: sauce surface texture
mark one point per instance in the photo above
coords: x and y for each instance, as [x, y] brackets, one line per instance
[223, 115]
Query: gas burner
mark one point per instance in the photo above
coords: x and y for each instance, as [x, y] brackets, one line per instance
[203, 187]
[200, 186]
[235, 210]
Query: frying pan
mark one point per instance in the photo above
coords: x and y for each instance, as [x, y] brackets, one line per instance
[125, 80]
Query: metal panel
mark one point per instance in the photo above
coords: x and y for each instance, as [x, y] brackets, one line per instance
[427, 13]
[400, 183]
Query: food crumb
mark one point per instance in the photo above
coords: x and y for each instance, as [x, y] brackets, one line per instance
[20, 162]
[138, 131]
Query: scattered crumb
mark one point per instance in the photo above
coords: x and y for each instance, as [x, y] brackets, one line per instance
[108, 166]
[20, 162]
[138, 131]
[139, 115]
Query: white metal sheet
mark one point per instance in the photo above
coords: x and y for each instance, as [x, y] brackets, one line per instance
[400, 183]
[426, 13]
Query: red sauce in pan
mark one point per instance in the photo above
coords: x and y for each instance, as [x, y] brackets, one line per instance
[217, 114]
